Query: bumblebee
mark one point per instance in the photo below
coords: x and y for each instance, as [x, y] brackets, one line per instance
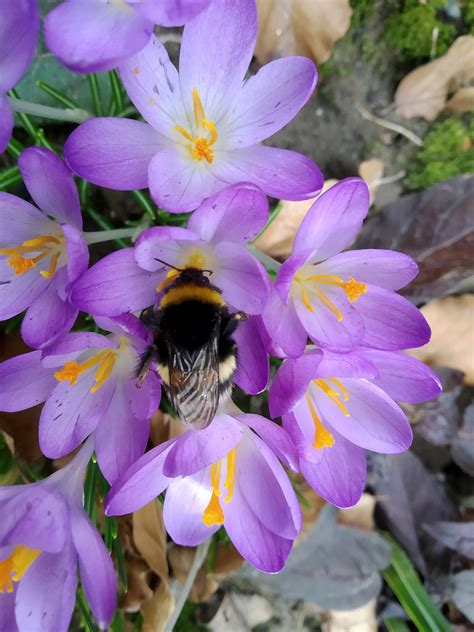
[192, 345]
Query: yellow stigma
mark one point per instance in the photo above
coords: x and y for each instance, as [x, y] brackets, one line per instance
[322, 437]
[44, 246]
[15, 566]
[200, 145]
[213, 513]
[335, 396]
[104, 360]
[311, 286]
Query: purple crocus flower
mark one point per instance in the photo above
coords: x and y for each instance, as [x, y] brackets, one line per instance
[133, 279]
[342, 299]
[19, 24]
[45, 535]
[226, 474]
[204, 125]
[88, 384]
[336, 405]
[39, 256]
[111, 30]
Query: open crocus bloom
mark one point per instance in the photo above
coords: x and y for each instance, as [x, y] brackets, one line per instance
[19, 25]
[40, 257]
[228, 475]
[342, 299]
[88, 382]
[133, 279]
[111, 30]
[204, 125]
[336, 405]
[44, 535]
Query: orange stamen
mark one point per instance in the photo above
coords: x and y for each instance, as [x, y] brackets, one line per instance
[200, 145]
[15, 566]
[322, 437]
[333, 395]
[47, 245]
[213, 513]
[72, 370]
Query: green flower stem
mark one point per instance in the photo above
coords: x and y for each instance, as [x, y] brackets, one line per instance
[104, 224]
[59, 96]
[116, 88]
[45, 111]
[269, 262]
[100, 236]
[95, 93]
[14, 148]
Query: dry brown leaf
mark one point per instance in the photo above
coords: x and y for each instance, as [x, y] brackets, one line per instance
[425, 90]
[300, 27]
[372, 171]
[361, 619]
[228, 560]
[180, 560]
[277, 240]
[310, 514]
[138, 590]
[164, 427]
[149, 535]
[462, 100]
[157, 610]
[452, 334]
[361, 515]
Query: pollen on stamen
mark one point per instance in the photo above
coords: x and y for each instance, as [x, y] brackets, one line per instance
[322, 437]
[69, 373]
[213, 513]
[354, 289]
[20, 264]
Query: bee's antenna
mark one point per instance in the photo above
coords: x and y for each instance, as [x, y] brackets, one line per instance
[169, 265]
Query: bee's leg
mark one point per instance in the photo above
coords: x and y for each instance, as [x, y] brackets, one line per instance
[146, 361]
[230, 323]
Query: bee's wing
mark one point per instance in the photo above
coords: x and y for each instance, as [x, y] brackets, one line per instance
[194, 384]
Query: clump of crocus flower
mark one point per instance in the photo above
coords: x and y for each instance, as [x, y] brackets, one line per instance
[333, 316]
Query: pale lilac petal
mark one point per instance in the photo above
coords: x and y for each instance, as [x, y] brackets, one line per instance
[113, 152]
[51, 185]
[35, 516]
[236, 214]
[269, 100]
[386, 268]
[116, 285]
[280, 173]
[274, 436]
[69, 347]
[96, 566]
[91, 36]
[374, 422]
[21, 221]
[253, 367]
[356, 364]
[179, 183]
[152, 84]
[121, 437]
[49, 316]
[283, 327]
[18, 292]
[19, 25]
[291, 382]
[391, 322]
[171, 12]
[196, 449]
[402, 377]
[25, 383]
[287, 272]
[216, 50]
[324, 328]
[185, 502]
[161, 242]
[334, 220]
[240, 278]
[46, 594]
[267, 488]
[264, 549]
[337, 474]
[72, 413]
[77, 252]
[141, 483]
[6, 124]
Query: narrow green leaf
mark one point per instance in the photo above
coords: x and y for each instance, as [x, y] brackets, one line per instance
[405, 583]
[145, 203]
[58, 96]
[117, 622]
[271, 218]
[117, 93]
[95, 94]
[84, 611]
[396, 625]
[90, 487]
[9, 178]
[119, 558]
[14, 147]
[84, 189]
